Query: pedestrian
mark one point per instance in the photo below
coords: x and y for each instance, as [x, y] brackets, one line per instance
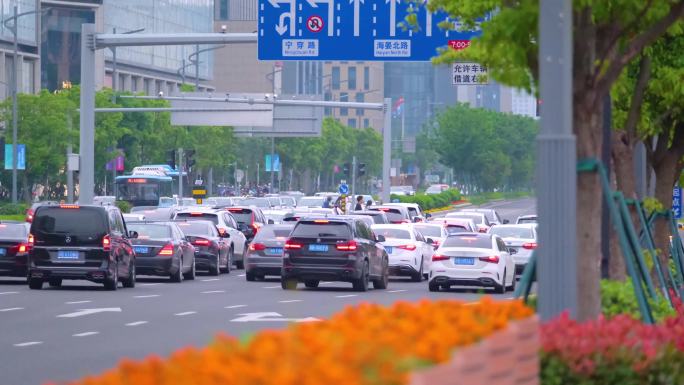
[326, 202]
[359, 203]
[368, 204]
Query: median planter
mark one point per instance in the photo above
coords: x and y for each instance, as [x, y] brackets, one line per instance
[507, 357]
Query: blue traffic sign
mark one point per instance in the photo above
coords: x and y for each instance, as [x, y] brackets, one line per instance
[21, 157]
[677, 202]
[352, 30]
[344, 189]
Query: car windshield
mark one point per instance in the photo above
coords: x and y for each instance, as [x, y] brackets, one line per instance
[150, 231]
[166, 202]
[321, 229]
[273, 232]
[198, 217]
[195, 228]
[83, 222]
[13, 230]
[489, 214]
[392, 233]
[258, 202]
[512, 232]
[429, 231]
[477, 218]
[312, 201]
[468, 241]
[527, 220]
[455, 229]
[274, 201]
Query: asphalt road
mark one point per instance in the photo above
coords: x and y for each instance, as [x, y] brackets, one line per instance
[79, 329]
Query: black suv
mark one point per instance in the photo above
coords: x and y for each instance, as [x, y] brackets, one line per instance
[334, 249]
[80, 242]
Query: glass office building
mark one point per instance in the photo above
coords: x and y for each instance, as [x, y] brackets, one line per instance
[27, 24]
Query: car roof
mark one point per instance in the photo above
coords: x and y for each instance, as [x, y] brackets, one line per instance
[518, 225]
[479, 235]
[391, 226]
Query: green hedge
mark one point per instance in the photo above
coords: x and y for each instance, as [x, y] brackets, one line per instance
[13, 209]
[429, 202]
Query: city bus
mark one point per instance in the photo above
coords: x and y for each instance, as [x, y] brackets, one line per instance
[146, 185]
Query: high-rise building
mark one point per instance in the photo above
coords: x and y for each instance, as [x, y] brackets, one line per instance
[28, 37]
[361, 82]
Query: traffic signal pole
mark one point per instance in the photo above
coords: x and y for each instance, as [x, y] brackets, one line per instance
[353, 178]
[180, 173]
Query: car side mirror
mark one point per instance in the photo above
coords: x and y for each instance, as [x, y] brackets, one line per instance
[271, 222]
[243, 227]
[512, 251]
[133, 234]
[224, 234]
[428, 215]
[506, 221]
[430, 241]
[380, 238]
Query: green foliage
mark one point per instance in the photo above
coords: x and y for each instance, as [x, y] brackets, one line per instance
[619, 298]
[430, 202]
[124, 206]
[652, 205]
[13, 209]
[486, 149]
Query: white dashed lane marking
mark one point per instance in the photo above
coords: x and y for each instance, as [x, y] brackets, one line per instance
[136, 323]
[346, 296]
[185, 313]
[272, 287]
[11, 309]
[76, 302]
[9, 292]
[396, 291]
[85, 334]
[235, 306]
[211, 280]
[213, 291]
[30, 343]
[146, 296]
[150, 284]
[291, 301]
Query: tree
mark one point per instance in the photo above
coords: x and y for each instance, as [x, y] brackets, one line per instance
[608, 35]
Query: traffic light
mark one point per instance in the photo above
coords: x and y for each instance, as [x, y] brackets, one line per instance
[171, 158]
[361, 171]
[189, 158]
[346, 168]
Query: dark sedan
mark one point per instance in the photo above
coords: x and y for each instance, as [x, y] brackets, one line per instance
[211, 249]
[14, 249]
[161, 249]
[265, 255]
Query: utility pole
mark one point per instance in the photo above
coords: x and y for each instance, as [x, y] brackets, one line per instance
[114, 75]
[272, 162]
[70, 173]
[180, 173]
[15, 65]
[197, 63]
[353, 175]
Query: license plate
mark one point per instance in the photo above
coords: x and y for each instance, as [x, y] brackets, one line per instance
[389, 249]
[141, 249]
[3, 252]
[274, 251]
[68, 254]
[318, 247]
[464, 261]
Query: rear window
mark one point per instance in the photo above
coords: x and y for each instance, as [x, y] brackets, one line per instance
[198, 228]
[527, 220]
[263, 203]
[243, 216]
[199, 217]
[456, 229]
[512, 232]
[149, 231]
[323, 229]
[475, 217]
[83, 222]
[274, 201]
[271, 232]
[13, 230]
[393, 215]
[468, 241]
[311, 201]
[390, 233]
[430, 231]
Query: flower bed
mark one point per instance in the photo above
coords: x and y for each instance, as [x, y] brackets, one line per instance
[363, 345]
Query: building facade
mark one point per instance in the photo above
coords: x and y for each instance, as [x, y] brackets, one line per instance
[28, 38]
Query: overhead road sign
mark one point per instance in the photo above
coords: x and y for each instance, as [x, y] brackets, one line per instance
[351, 30]
[469, 74]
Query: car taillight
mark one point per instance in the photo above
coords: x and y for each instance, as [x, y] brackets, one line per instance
[439, 257]
[255, 228]
[201, 242]
[29, 216]
[106, 243]
[407, 247]
[482, 229]
[346, 246]
[257, 247]
[23, 248]
[167, 250]
[31, 241]
[293, 245]
[530, 245]
[490, 259]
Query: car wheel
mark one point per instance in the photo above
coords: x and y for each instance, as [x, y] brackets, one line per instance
[190, 276]
[418, 275]
[229, 261]
[382, 282]
[433, 286]
[130, 281]
[288, 283]
[35, 283]
[512, 286]
[177, 277]
[501, 289]
[215, 270]
[250, 276]
[361, 284]
[112, 282]
[311, 284]
[241, 263]
[55, 282]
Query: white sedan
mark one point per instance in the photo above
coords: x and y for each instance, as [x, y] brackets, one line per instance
[436, 232]
[472, 259]
[409, 252]
[521, 238]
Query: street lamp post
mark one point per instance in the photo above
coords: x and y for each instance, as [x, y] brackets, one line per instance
[14, 88]
[114, 74]
[196, 61]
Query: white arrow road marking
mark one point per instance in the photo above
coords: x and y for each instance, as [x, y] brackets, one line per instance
[30, 343]
[82, 312]
[85, 334]
[11, 309]
[291, 301]
[346, 296]
[136, 323]
[9, 292]
[213, 291]
[185, 313]
[234, 306]
[270, 317]
[76, 302]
